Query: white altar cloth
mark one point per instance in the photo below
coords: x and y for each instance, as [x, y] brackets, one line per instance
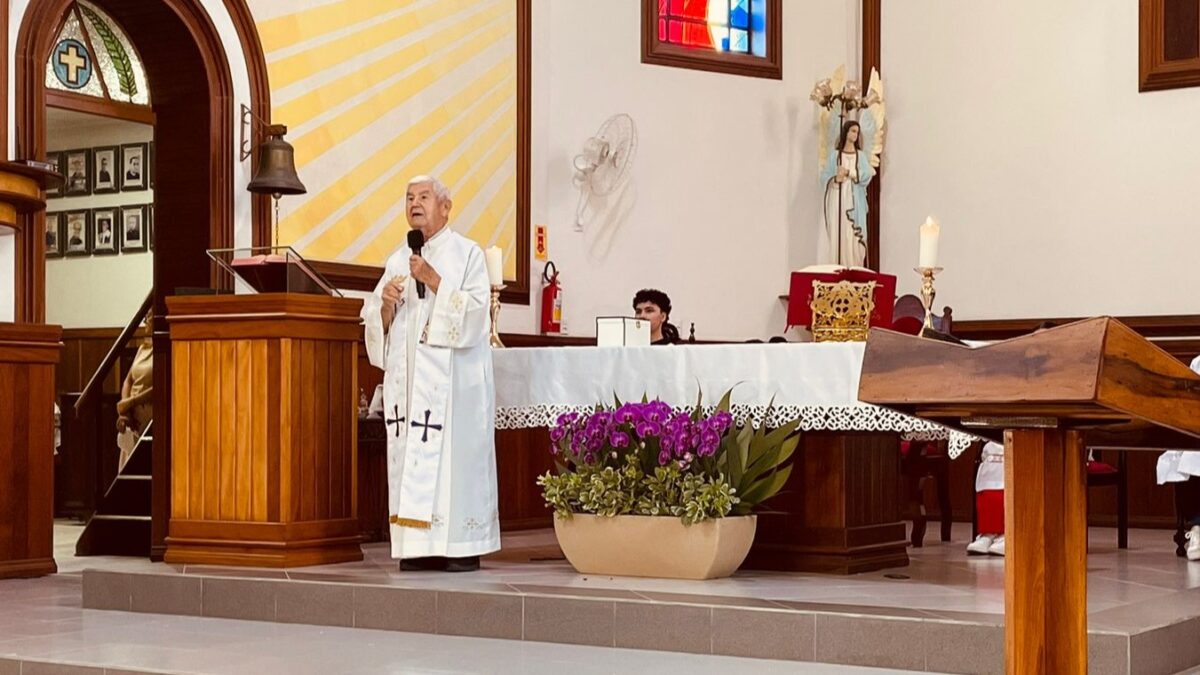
[814, 382]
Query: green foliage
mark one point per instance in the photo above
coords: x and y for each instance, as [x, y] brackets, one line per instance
[120, 58]
[750, 467]
[754, 460]
[669, 491]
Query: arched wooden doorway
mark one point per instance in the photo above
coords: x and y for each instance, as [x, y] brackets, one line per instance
[195, 138]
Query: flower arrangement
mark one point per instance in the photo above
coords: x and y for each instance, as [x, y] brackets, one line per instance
[649, 459]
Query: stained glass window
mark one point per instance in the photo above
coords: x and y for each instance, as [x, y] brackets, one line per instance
[734, 36]
[93, 56]
[737, 26]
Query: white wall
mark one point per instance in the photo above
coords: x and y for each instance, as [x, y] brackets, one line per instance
[723, 199]
[96, 291]
[1062, 191]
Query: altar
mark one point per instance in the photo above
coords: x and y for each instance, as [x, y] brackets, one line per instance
[840, 511]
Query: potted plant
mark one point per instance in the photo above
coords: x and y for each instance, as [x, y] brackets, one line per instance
[643, 489]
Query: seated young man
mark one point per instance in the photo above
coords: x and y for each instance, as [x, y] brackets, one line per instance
[654, 306]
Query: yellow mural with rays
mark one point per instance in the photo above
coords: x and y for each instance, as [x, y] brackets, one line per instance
[375, 92]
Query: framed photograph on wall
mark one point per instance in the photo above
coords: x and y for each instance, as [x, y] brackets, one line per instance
[133, 167]
[105, 179]
[54, 238]
[77, 169]
[150, 226]
[55, 158]
[104, 232]
[150, 169]
[133, 229]
[76, 234]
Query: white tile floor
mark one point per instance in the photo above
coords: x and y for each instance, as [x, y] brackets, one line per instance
[40, 620]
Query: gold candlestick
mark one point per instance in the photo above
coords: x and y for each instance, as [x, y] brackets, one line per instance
[928, 293]
[495, 340]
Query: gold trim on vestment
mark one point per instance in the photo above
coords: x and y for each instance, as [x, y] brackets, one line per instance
[409, 522]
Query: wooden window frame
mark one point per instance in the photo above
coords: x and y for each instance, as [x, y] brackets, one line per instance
[662, 54]
[1155, 72]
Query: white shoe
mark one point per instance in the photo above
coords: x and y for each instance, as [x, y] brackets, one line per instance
[980, 546]
[1193, 543]
[997, 547]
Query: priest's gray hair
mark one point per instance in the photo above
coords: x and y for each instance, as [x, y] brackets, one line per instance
[439, 188]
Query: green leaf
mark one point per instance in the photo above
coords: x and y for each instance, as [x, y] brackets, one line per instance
[767, 487]
[773, 449]
[723, 406]
[120, 58]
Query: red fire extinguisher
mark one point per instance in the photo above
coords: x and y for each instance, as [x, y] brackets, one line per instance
[552, 293]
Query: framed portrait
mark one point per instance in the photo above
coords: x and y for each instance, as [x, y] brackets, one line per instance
[77, 170]
[104, 232]
[55, 158]
[54, 238]
[133, 229]
[150, 226]
[104, 170]
[133, 167]
[150, 171]
[75, 233]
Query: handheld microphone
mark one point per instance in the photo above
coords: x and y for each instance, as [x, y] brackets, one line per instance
[416, 241]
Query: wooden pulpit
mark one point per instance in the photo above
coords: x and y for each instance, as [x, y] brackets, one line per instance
[28, 355]
[264, 425]
[1050, 394]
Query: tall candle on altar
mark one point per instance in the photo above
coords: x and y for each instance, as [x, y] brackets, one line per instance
[495, 265]
[930, 230]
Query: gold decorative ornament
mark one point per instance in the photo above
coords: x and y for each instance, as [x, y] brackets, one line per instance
[841, 311]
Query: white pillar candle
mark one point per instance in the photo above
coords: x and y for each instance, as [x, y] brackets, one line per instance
[930, 231]
[495, 265]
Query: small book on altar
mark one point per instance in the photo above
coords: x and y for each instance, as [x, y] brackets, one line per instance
[622, 331]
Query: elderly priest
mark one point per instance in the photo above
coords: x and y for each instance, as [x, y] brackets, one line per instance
[427, 327]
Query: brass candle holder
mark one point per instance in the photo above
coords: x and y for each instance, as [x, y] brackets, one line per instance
[495, 339]
[928, 293]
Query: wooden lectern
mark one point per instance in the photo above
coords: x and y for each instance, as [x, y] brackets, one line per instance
[264, 426]
[1093, 382]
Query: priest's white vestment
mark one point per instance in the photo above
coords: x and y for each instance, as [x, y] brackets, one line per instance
[1175, 466]
[439, 403]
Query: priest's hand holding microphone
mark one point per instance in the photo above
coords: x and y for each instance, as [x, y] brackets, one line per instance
[393, 291]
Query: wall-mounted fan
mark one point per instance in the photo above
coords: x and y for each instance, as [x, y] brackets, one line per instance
[605, 162]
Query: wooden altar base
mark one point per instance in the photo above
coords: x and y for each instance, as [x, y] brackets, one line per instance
[839, 512]
[943, 613]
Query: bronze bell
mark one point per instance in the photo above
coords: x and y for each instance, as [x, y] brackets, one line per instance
[276, 173]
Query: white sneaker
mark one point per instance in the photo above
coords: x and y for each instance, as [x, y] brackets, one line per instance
[981, 545]
[1193, 543]
[997, 547]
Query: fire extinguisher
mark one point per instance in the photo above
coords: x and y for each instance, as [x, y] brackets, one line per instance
[552, 294]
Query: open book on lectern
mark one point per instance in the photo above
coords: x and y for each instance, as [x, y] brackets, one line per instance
[272, 269]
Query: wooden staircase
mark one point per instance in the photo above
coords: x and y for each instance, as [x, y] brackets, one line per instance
[121, 523]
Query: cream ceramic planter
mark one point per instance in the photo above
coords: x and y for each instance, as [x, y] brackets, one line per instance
[655, 546]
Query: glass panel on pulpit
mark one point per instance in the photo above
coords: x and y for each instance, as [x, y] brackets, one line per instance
[8, 274]
[270, 269]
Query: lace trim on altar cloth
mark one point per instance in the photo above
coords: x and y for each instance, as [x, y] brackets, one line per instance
[811, 418]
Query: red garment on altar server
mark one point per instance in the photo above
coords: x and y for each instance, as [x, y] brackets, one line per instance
[801, 293]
